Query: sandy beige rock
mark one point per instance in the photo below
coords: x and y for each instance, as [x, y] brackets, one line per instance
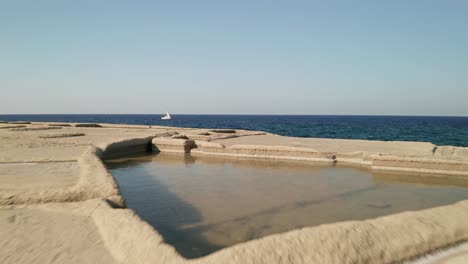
[83, 228]
[173, 145]
[38, 234]
[336, 145]
[23, 176]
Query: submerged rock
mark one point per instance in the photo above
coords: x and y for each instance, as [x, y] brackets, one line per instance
[379, 205]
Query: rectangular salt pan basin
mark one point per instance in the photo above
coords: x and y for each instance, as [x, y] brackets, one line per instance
[203, 204]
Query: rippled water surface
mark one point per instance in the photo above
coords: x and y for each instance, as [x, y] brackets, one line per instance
[439, 130]
[201, 205]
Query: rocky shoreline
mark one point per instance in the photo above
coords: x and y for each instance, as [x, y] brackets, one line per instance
[53, 185]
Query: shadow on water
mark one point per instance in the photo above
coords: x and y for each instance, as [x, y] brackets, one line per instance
[144, 194]
[353, 194]
[175, 219]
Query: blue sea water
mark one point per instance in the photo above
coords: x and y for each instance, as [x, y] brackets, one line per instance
[438, 130]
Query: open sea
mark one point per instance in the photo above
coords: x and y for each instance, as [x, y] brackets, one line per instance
[438, 130]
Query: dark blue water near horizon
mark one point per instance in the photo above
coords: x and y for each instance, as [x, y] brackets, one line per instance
[438, 130]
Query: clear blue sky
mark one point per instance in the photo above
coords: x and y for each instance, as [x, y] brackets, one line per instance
[239, 57]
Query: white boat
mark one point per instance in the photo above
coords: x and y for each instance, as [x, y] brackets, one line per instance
[166, 117]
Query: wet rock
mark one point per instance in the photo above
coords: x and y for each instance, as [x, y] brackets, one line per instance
[19, 122]
[34, 128]
[167, 134]
[59, 125]
[7, 127]
[180, 136]
[87, 125]
[65, 135]
[228, 131]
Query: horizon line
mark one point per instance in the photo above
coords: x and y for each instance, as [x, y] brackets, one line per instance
[388, 115]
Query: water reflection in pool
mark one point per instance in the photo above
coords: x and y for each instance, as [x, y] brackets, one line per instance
[202, 204]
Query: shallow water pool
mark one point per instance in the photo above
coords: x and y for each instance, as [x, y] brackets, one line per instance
[203, 204]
